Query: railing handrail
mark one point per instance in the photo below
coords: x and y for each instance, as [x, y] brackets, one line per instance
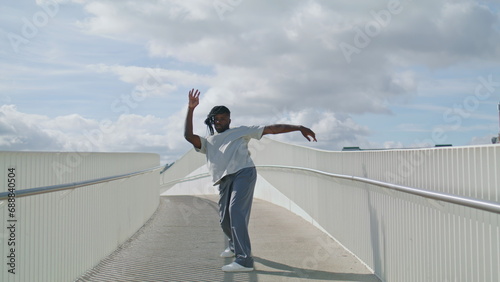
[74, 185]
[460, 200]
[450, 198]
[186, 179]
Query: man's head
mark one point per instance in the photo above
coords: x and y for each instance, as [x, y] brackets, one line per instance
[220, 118]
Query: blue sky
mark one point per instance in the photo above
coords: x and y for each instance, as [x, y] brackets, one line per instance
[113, 76]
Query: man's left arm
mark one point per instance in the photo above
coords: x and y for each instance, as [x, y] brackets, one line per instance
[285, 128]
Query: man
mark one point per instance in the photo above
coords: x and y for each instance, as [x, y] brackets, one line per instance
[233, 170]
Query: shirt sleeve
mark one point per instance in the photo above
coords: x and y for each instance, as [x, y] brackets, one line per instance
[256, 132]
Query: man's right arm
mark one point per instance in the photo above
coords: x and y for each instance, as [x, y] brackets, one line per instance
[188, 127]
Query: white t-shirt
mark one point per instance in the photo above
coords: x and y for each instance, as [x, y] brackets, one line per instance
[227, 152]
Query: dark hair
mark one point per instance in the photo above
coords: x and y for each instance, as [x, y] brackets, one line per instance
[210, 117]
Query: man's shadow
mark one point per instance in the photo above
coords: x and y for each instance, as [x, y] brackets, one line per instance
[302, 273]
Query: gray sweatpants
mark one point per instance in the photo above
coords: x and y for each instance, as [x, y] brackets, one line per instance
[236, 195]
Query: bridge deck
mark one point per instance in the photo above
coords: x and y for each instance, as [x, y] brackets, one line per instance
[183, 240]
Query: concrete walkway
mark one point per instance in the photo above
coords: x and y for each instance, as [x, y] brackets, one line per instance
[183, 240]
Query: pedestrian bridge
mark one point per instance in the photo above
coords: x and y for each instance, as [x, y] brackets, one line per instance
[383, 215]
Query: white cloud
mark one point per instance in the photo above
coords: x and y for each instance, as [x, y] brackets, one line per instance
[129, 133]
[18, 130]
[445, 33]
[268, 61]
[286, 55]
[333, 131]
[392, 145]
[151, 82]
[288, 60]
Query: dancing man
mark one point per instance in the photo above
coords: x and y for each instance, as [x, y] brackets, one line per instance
[231, 168]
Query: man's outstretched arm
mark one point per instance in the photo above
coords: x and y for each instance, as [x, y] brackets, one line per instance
[194, 100]
[284, 128]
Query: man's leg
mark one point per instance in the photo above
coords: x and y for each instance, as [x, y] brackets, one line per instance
[225, 189]
[239, 211]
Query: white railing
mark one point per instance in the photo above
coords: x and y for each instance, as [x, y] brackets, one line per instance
[449, 198]
[401, 236]
[52, 231]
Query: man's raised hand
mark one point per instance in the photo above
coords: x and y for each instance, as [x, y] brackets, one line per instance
[194, 98]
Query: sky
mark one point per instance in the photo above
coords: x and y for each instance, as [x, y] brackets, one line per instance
[114, 76]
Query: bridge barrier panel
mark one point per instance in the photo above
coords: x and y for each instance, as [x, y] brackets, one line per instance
[58, 236]
[400, 236]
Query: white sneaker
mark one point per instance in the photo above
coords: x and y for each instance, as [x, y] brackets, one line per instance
[227, 253]
[235, 267]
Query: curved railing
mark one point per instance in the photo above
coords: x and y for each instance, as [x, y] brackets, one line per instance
[84, 206]
[459, 200]
[454, 199]
[74, 185]
[447, 229]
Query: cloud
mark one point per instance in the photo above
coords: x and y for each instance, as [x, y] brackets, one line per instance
[18, 131]
[151, 81]
[290, 57]
[333, 131]
[282, 58]
[129, 133]
[269, 62]
[449, 32]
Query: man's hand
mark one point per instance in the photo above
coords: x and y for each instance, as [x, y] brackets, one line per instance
[308, 132]
[194, 98]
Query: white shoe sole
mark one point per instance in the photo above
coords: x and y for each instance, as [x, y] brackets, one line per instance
[234, 267]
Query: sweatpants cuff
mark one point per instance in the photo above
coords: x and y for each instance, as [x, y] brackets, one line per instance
[247, 262]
